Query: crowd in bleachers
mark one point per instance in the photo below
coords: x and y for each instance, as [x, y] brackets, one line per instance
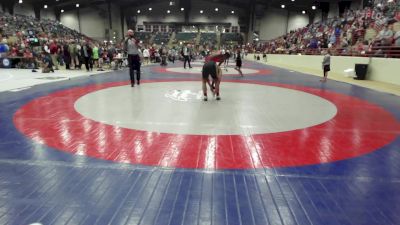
[31, 43]
[373, 31]
[209, 39]
[231, 38]
[144, 36]
[161, 38]
[185, 37]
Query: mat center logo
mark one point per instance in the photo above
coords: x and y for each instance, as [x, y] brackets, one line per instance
[184, 95]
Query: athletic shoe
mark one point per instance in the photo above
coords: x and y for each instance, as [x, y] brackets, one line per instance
[218, 98]
[132, 85]
[205, 98]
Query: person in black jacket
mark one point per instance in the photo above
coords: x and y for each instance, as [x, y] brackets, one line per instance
[239, 62]
[87, 53]
[67, 56]
[186, 52]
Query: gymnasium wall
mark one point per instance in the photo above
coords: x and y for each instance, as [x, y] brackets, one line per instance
[333, 10]
[27, 10]
[277, 22]
[224, 14]
[379, 69]
[24, 9]
[70, 19]
[47, 14]
[159, 14]
[297, 20]
[93, 22]
[317, 16]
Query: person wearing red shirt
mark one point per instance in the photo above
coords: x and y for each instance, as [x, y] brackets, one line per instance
[54, 53]
[212, 68]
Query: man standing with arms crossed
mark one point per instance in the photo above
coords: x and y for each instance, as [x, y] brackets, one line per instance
[131, 46]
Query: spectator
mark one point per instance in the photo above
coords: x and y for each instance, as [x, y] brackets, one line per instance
[146, 55]
[385, 36]
[87, 54]
[397, 39]
[72, 52]
[47, 66]
[53, 48]
[96, 55]
[67, 56]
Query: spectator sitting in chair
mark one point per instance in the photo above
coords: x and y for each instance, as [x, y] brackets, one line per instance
[385, 36]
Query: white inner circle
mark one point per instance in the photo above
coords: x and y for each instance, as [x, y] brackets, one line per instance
[177, 107]
[197, 70]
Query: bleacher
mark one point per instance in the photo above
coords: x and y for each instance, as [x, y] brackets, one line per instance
[355, 33]
[161, 38]
[20, 25]
[208, 38]
[230, 38]
[185, 37]
[143, 36]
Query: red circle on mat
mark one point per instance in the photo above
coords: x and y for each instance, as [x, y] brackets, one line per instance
[52, 120]
[164, 70]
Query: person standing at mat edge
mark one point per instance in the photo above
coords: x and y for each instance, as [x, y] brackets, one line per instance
[131, 47]
[326, 65]
[186, 53]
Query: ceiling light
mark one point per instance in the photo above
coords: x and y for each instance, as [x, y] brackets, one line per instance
[62, 10]
[314, 7]
[201, 11]
[233, 12]
[45, 6]
[182, 9]
[216, 9]
[282, 6]
[150, 9]
[304, 12]
[138, 11]
[77, 5]
[20, 2]
[168, 11]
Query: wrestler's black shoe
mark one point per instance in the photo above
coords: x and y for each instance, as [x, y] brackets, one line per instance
[218, 98]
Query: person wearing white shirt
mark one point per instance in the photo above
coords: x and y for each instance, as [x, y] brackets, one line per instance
[326, 65]
[146, 55]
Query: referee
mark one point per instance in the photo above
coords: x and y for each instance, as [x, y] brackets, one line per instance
[131, 46]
